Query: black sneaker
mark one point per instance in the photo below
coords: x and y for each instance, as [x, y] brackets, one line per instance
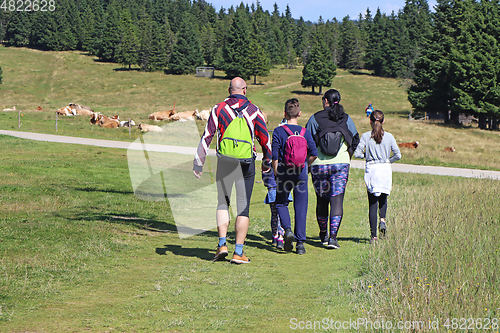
[300, 248]
[382, 228]
[323, 236]
[289, 237]
[333, 244]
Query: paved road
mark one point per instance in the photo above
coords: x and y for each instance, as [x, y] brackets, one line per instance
[358, 164]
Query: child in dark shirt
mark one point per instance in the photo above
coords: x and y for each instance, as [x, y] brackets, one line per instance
[288, 179]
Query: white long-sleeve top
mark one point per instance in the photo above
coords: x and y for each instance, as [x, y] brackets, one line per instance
[378, 156]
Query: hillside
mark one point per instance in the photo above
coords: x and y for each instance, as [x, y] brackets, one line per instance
[53, 79]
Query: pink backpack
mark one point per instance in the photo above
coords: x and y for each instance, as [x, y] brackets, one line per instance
[295, 148]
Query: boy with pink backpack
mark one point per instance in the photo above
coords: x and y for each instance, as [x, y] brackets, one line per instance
[293, 149]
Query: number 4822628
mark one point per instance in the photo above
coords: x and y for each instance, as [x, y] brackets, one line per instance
[27, 5]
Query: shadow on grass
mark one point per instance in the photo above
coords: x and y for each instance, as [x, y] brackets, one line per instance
[316, 242]
[178, 250]
[126, 69]
[301, 92]
[127, 219]
[94, 189]
[254, 241]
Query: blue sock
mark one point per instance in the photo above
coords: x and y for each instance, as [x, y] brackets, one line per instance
[222, 241]
[238, 249]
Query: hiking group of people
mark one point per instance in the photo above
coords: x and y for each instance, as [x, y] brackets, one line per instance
[324, 148]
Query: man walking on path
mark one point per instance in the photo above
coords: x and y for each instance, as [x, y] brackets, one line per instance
[235, 161]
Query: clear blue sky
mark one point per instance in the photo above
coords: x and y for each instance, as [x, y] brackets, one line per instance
[311, 10]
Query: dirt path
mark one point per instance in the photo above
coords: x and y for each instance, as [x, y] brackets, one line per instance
[358, 164]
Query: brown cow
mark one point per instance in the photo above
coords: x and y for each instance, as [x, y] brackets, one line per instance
[183, 116]
[449, 149]
[95, 118]
[108, 122]
[410, 145]
[162, 115]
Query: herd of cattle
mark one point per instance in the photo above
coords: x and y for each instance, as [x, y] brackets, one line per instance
[114, 121]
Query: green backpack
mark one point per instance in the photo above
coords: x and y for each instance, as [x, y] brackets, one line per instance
[237, 141]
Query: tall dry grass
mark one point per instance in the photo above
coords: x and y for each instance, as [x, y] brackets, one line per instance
[440, 260]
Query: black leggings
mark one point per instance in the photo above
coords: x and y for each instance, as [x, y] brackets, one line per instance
[336, 205]
[375, 204]
[242, 176]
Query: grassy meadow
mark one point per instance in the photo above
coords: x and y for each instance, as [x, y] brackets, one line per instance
[53, 79]
[80, 252]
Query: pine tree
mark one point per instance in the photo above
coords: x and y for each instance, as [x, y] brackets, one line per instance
[352, 45]
[319, 69]
[432, 89]
[375, 56]
[416, 17]
[208, 44]
[4, 19]
[257, 60]
[111, 33]
[396, 48]
[235, 49]
[162, 44]
[18, 29]
[146, 31]
[88, 27]
[94, 40]
[186, 55]
[127, 51]
[304, 48]
[475, 62]
[289, 34]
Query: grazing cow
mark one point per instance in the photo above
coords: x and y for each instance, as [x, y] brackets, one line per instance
[13, 109]
[410, 145]
[39, 108]
[203, 114]
[183, 116]
[162, 115]
[449, 149]
[149, 128]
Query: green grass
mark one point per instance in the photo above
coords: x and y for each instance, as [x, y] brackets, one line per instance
[79, 251]
[53, 79]
[441, 258]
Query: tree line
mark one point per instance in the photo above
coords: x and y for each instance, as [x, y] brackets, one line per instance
[451, 54]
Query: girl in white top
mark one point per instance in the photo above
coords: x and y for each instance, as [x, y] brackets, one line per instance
[376, 147]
